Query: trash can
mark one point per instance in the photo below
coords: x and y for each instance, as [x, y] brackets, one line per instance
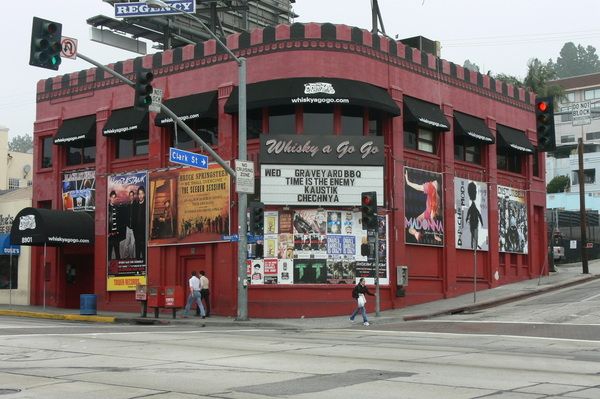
[87, 304]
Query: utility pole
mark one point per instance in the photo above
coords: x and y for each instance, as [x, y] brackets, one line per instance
[583, 224]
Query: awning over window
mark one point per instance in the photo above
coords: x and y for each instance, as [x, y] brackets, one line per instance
[316, 91]
[126, 121]
[513, 139]
[6, 248]
[36, 226]
[196, 106]
[77, 131]
[472, 127]
[424, 114]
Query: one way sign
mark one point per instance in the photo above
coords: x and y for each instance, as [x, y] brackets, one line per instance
[188, 158]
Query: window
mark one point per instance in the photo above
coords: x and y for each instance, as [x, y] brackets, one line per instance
[570, 97]
[467, 150]
[375, 123]
[134, 145]
[282, 120]
[47, 152]
[591, 136]
[566, 114]
[9, 273]
[591, 94]
[206, 129]
[567, 139]
[509, 161]
[77, 155]
[352, 120]
[13, 183]
[536, 163]
[422, 140]
[589, 176]
[254, 123]
[318, 120]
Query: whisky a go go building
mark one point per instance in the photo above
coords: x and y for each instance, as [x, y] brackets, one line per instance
[333, 111]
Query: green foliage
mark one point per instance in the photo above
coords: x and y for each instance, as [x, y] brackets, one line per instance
[559, 184]
[538, 76]
[20, 143]
[510, 79]
[576, 60]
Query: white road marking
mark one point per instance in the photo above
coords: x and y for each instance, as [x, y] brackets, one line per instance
[590, 298]
[95, 334]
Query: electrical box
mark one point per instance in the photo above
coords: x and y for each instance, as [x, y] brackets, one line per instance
[156, 297]
[174, 297]
[402, 276]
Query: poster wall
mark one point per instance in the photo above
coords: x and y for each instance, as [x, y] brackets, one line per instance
[79, 191]
[189, 205]
[126, 231]
[512, 220]
[424, 209]
[471, 214]
[316, 246]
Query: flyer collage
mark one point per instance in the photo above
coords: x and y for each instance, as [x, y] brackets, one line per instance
[315, 246]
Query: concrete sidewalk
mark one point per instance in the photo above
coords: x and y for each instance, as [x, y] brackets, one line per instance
[567, 275]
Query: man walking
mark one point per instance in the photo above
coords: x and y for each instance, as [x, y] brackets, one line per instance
[194, 296]
[205, 292]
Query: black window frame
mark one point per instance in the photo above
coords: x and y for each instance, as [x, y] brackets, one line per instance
[414, 140]
[133, 138]
[206, 128]
[81, 150]
[510, 161]
[47, 144]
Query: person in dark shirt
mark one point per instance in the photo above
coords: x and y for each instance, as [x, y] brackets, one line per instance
[139, 223]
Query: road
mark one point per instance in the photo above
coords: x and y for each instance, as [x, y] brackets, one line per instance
[544, 347]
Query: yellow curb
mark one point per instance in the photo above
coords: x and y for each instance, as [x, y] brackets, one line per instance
[54, 316]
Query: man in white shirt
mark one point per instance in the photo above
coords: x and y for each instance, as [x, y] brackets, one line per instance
[194, 296]
[205, 291]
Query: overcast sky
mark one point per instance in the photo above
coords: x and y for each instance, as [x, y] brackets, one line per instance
[497, 35]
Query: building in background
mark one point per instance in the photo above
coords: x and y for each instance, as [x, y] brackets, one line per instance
[333, 111]
[16, 171]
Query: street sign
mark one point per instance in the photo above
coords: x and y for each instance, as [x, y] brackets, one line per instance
[157, 95]
[581, 113]
[68, 47]
[188, 158]
[141, 9]
[244, 176]
[230, 237]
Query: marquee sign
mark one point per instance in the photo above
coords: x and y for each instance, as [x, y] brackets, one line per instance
[319, 184]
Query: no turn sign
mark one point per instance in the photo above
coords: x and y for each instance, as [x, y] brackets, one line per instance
[69, 47]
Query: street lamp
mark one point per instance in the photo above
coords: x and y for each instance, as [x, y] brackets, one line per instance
[242, 307]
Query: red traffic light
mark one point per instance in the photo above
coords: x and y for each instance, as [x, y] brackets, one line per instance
[542, 106]
[366, 200]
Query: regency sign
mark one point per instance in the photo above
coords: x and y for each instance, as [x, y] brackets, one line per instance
[321, 150]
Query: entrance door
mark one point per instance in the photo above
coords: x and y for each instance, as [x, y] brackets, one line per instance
[78, 273]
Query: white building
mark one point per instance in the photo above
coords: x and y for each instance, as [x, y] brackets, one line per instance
[15, 169]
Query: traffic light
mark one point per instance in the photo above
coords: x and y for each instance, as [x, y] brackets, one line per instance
[143, 90]
[257, 218]
[544, 116]
[368, 207]
[45, 44]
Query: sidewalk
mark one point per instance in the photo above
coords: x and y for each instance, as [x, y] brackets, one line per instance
[567, 275]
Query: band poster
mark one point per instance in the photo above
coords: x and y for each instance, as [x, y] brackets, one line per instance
[424, 209]
[512, 220]
[315, 246]
[471, 214]
[189, 205]
[79, 191]
[126, 228]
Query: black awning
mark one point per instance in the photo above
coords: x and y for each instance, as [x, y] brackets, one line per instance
[36, 226]
[314, 91]
[424, 114]
[196, 106]
[78, 131]
[472, 127]
[513, 139]
[126, 121]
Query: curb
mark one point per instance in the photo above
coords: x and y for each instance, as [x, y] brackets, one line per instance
[54, 316]
[500, 301]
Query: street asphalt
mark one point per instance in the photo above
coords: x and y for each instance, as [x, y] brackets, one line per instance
[566, 275]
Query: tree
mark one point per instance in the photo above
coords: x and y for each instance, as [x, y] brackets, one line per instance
[538, 76]
[559, 184]
[471, 66]
[576, 60]
[510, 79]
[22, 143]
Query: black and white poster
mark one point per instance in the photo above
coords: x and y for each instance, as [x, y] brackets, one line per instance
[471, 214]
[512, 220]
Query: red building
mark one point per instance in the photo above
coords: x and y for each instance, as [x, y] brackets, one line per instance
[331, 93]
